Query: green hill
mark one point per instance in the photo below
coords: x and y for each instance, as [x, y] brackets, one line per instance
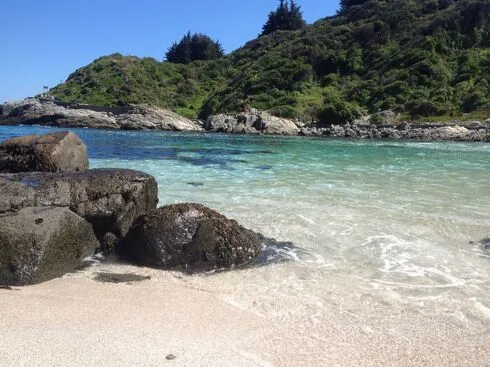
[423, 58]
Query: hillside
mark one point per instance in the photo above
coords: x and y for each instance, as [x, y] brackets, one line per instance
[425, 58]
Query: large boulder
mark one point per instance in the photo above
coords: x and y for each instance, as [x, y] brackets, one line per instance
[254, 121]
[55, 152]
[110, 199]
[39, 244]
[190, 236]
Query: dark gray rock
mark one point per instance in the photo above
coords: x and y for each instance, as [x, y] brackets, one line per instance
[110, 199]
[39, 244]
[55, 152]
[190, 236]
[486, 243]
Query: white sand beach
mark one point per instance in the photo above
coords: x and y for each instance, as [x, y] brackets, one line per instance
[206, 321]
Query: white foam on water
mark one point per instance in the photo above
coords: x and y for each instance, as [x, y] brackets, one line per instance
[482, 309]
[369, 221]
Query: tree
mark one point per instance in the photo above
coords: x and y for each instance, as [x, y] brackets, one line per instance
[287, 16]
[194, 47]
[344, 4]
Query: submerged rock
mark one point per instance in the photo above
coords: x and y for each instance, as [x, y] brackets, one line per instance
[190, 236]
[39, 244]
[55, 152]
[110, 199]
[486, 243]
[120, 278]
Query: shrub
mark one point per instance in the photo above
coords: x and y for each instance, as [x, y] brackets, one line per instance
[377, 119]
[338, 111]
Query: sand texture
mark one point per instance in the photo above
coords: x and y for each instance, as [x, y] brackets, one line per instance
[179, 320]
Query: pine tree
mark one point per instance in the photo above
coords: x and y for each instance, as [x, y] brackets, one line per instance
[194, 47]
[287, 16]
[344, 4]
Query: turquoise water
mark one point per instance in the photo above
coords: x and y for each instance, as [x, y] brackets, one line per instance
[392, 221]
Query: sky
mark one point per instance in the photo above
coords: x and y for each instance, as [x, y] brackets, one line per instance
[43, 41]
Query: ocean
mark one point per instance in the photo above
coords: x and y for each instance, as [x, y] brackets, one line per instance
[373, 228]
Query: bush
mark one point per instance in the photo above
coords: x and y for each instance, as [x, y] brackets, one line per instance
[423, 108]
[338, 111]
[376, 119]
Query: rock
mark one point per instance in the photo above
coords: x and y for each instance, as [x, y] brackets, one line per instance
[404, 125]
[251, 122]
[55, 152]
[39, 244]
[486, 243]
[134, 117]
[448, 132]
[110, 199]
[153, 118]
[48, 113]
[190, 236]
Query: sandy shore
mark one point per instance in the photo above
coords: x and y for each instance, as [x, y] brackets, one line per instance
[76, 321]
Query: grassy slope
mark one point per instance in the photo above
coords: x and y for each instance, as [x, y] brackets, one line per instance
[422, 58]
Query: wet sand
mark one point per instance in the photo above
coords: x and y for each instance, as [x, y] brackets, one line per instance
[77, 321]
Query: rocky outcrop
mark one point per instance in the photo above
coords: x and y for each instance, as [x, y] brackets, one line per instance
[152, 118]
[52, 113]
[47, 113]
[110, 199]
[56, 152]
[251, 122]
[469, 131]
[382, 125]
[39, 244]
[190, 236]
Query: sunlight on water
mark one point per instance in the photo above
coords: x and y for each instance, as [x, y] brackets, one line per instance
[383, 219]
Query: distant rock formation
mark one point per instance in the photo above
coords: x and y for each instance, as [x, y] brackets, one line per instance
[478, 131]
[254, 122]
[47, 112]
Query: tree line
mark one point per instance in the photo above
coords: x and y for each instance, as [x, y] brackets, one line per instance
[288, 16]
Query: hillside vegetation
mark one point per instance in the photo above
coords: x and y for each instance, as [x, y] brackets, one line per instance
[422, 58]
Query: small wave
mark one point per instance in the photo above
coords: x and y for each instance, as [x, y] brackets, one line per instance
[274, 252]
[404, 264]
[484, 310]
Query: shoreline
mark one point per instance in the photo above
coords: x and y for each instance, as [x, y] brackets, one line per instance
[336, 303]
[77, 319]
[423, 132]
[46, 112]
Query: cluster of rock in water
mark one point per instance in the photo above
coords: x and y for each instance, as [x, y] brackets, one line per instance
[54, 212]
[52, 113]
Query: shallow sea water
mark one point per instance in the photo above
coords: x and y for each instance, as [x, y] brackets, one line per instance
[376, 226]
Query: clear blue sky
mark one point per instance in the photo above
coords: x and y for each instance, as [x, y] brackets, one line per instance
[43, 41]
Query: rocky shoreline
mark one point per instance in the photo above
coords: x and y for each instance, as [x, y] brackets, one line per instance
[47, 112]
[55, 211]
